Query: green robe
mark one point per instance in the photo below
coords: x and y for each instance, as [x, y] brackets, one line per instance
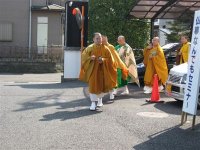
[120, 81]
[127, 56]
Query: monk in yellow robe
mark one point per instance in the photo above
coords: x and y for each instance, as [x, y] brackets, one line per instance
[155, 64]
[185, 49]
[98, 70]
[119, 63]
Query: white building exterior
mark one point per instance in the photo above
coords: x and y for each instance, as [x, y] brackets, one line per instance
[161, 29]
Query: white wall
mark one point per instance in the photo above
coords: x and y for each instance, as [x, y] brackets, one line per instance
[163, 31]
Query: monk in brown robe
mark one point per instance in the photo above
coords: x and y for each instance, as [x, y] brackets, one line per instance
[98, 70]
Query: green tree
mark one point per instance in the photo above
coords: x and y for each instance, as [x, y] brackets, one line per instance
[110, 17]
[178, 27]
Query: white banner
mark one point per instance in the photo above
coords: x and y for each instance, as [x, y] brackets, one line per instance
[72, 64]
[192, 84]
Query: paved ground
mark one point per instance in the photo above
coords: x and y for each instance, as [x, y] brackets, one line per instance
[37, 112]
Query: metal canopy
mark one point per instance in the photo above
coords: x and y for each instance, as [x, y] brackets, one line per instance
[52, 7]
[163, 9]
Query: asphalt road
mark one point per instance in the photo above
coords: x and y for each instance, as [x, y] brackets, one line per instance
[37, 112]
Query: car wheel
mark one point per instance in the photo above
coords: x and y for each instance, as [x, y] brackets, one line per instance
[141, 82]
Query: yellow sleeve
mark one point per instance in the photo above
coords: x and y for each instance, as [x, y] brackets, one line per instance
[185, 52]
[146, 53]
[110, 69]
[119, 63]
[86, 54]
[86, 64]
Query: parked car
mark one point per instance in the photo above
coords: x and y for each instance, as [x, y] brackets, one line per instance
[175, 85]
[176, 82]
[170, 51]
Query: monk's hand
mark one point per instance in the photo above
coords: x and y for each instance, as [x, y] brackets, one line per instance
[93, 57]
[100, 60]
[149, 47]
[152, 54]
[179, 53]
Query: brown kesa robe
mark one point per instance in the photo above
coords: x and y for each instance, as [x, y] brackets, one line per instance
[120, 64]
[101, 77]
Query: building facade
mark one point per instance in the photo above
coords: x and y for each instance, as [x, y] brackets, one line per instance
[161, 30]
[31, 23]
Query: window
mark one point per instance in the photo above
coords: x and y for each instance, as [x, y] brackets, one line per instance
[42, 34]
[6, 30]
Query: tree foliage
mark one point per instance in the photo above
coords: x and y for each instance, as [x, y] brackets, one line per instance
[178, 27]
[109, 17]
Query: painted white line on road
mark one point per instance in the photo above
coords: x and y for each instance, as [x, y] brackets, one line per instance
[42, 82]
[153, 114]
[53, 82]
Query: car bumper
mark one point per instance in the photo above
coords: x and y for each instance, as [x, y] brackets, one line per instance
[175, 91]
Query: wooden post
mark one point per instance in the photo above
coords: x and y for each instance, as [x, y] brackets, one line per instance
[82, 35]
[183, 118]
[193, 122]
[82, 29]
[186, 117]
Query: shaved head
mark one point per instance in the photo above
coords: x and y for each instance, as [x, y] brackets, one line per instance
[184, 39]
[97, 38]
[121, 40]
[156, 38]
[96, 34]
[121, 37]
[155, 41]
[104, 39]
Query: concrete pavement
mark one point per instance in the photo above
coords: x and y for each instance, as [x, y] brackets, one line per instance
[37, 112]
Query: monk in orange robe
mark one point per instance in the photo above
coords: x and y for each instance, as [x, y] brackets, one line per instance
[98, 70]
[155, 64]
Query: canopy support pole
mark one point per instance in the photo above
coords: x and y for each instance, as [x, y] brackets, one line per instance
[152, 29]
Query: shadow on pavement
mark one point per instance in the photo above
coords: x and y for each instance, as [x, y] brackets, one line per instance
[134, 93]
[74, 108]
[53, 100]
[138, 93]
[65, 85]
[67, 115]
[174, 138]
[44, 103]
[171, 107]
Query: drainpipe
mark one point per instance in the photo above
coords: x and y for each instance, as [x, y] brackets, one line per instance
[47, 2]
[30, 28]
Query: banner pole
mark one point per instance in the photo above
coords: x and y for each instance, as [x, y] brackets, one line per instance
[183, 118]
[186, 117]
[82, 31]
[193, 122]
[82, 37]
